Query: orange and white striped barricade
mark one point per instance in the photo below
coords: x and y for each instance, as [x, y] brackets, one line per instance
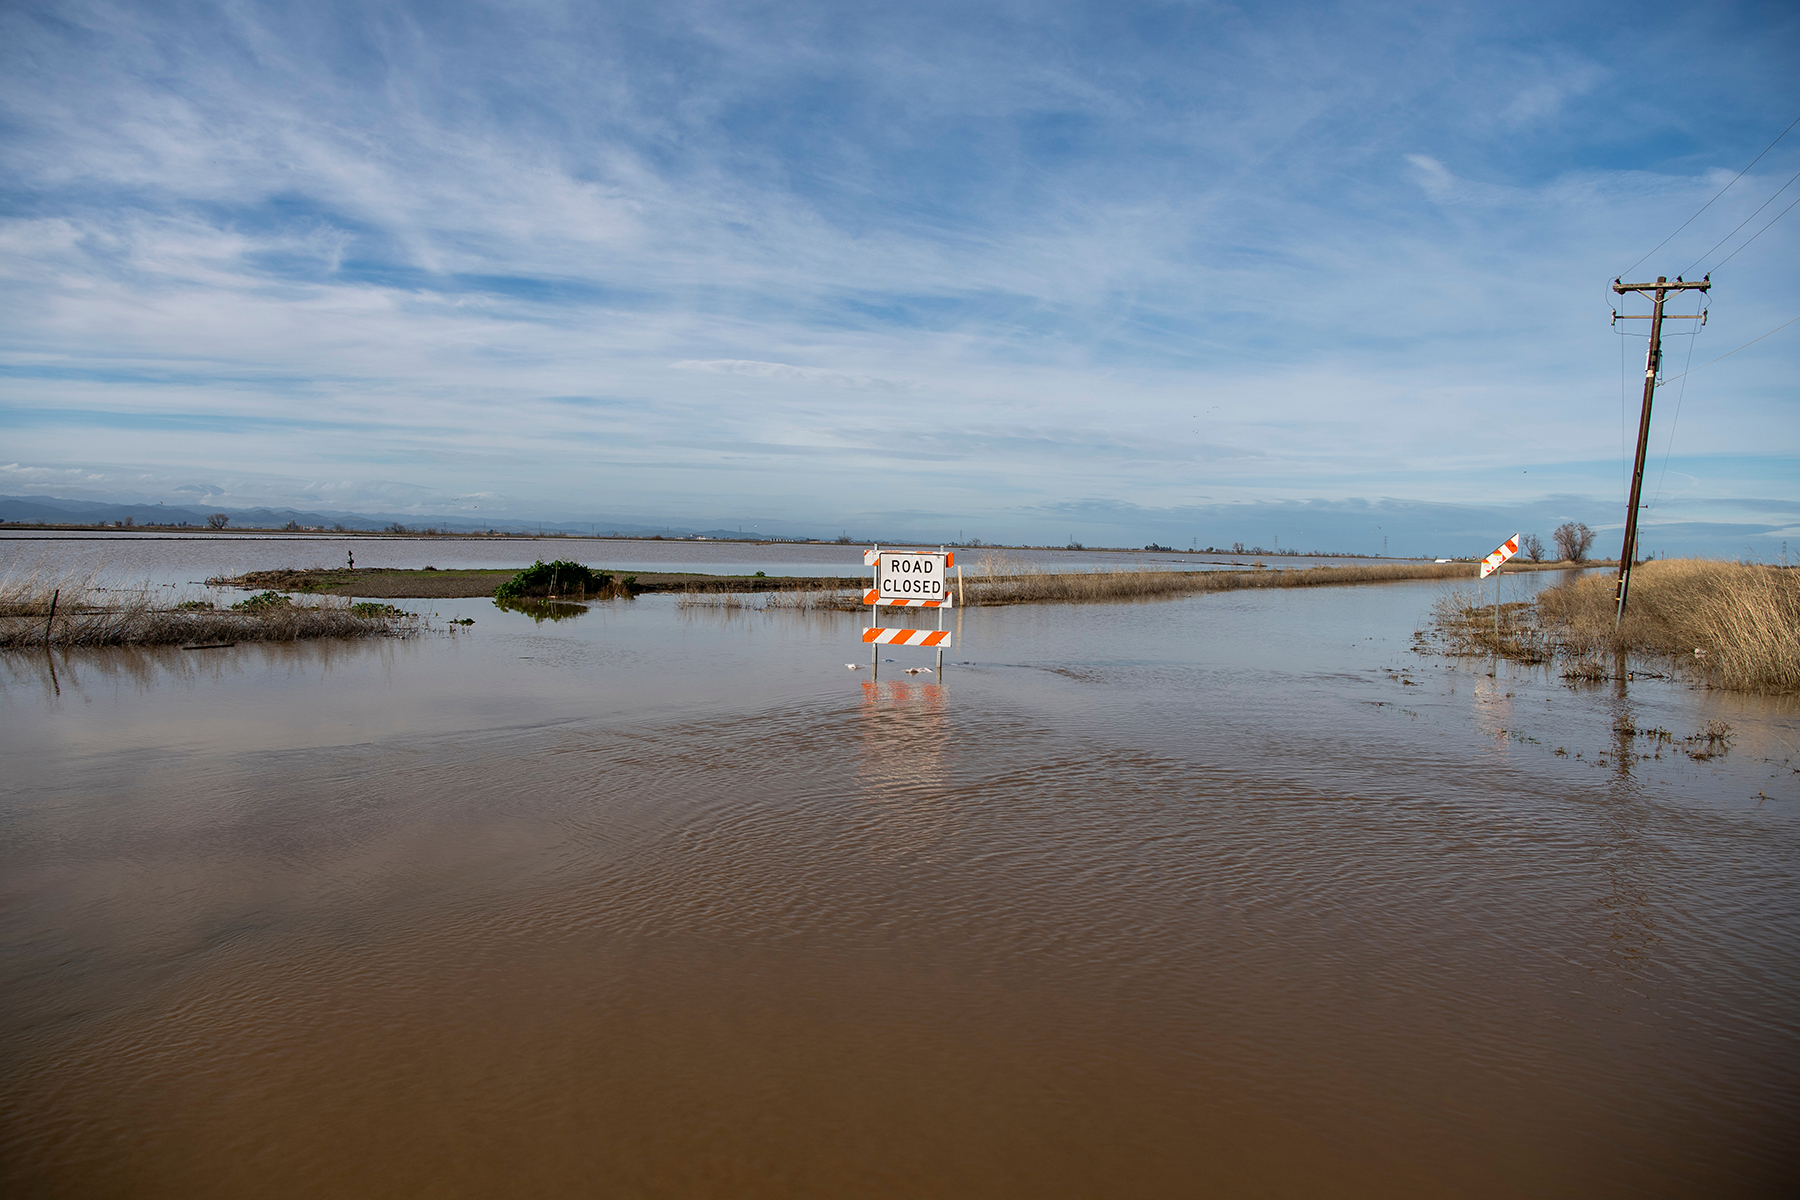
[906, 637]
[908, 579]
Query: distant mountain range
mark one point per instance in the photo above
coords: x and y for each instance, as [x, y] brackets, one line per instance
[47, 510]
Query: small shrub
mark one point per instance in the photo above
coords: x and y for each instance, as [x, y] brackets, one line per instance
[263, 602]
[194, 606]
[559, 578]
[374, 608]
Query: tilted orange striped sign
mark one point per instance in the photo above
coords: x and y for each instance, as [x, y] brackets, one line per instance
[1492, 562]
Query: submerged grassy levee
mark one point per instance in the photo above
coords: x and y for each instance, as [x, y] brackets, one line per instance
[1730, 625]
[69, 612]
[429, 583]
[1000, 579]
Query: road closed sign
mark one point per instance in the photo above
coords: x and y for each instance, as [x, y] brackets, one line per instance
[912, 579]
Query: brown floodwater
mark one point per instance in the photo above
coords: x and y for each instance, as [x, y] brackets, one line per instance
[1230, 894]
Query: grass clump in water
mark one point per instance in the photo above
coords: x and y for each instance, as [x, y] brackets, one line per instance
[1732, 625]
[819, 599]
[38, 610]
[1469, 628]
[262, 602]
[375, 608]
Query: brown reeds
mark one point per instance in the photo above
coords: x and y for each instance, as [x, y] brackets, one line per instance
[88, 615]
[999, 579]
[807, 600]
[1734, 625]
[1731, 625]
[1469, 629]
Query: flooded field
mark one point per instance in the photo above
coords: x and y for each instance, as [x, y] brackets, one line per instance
[1232, 894]
[180, 558]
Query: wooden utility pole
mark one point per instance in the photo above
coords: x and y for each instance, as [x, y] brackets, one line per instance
[1656, 292]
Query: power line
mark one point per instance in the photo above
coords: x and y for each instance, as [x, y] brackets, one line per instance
[1784, 212]
[1675, 422]
[1729, 353]
[1784, 187]
[1634, 266]
[1624, 430]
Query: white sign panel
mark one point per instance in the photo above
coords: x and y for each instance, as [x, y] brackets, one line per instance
[912, 577]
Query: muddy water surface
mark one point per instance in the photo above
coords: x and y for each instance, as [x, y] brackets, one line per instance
[1229, 894]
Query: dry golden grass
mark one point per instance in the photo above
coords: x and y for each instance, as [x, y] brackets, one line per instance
[1001, 579]
[1735, 625]
[41, 609]
[806, 600]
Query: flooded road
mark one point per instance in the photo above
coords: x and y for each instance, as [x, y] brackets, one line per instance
[1234, 893]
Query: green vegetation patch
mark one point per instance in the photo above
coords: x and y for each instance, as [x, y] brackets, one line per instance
[263, 602]
[374, 608]
[559, 578]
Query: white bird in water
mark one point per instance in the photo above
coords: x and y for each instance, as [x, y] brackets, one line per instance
[918, 670]
[854, 666]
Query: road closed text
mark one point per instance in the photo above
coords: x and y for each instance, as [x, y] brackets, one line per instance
[912, 577]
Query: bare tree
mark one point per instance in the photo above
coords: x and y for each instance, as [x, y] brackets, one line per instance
[218, 521]
[1573, 538]
[1533, 548]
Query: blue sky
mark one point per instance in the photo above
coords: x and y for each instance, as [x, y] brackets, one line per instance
[1113, 272]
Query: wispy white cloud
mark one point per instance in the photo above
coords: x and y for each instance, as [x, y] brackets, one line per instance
[787, 373]
[1302, 254]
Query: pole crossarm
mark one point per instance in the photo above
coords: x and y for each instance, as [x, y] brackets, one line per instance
[1662, 286]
